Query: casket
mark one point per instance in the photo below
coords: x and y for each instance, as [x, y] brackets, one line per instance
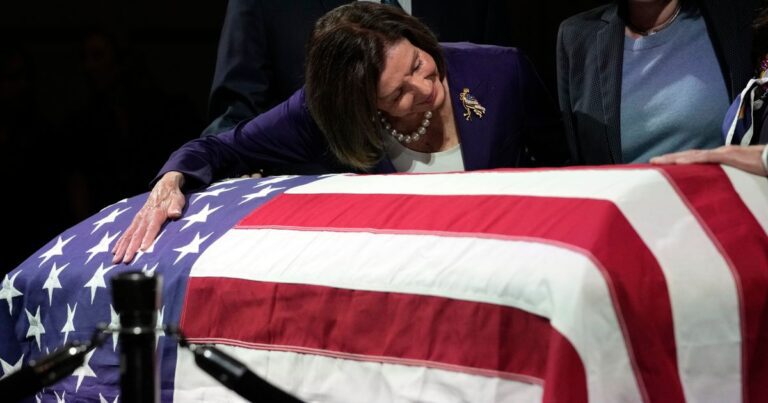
[614, 284]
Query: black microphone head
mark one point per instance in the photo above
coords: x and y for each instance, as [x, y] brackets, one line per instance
[136, 297]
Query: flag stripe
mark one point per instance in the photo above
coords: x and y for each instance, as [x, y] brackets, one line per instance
[547, 280]
[707, 325]
[746, 247]
[330, 379]
[461, 335]
[753, 193]
[584, 224]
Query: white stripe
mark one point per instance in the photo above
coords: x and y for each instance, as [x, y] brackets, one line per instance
[702, 288]
[315, 378]
[753, 190]
[553, 282]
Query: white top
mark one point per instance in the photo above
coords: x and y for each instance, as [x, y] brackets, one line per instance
[406, 160]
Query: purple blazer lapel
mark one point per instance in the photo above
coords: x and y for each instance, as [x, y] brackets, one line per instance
[475, 133]
[495, 79]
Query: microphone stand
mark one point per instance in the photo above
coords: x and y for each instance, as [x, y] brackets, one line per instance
[136, 297]
[233, 374]
[48, 369]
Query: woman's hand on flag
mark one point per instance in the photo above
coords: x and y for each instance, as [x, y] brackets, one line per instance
[166, 201]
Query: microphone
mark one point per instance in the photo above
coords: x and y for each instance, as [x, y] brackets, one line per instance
[47, 371]
[137, 297]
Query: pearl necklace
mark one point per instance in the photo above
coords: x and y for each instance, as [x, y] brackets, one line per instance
[407, 138]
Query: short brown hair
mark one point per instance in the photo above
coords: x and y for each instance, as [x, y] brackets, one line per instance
[345, 57]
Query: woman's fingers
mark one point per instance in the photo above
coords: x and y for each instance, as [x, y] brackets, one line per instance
[744, 158]
[165, 201]
[681, 157]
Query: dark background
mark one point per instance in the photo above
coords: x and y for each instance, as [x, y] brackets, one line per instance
[95, 95]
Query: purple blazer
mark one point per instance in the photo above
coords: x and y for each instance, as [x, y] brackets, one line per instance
[521, 126]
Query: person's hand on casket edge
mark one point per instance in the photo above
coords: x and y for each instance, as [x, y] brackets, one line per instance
[165, 202]
[745, 158]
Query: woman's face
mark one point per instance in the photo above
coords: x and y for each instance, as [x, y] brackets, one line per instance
[409, 82]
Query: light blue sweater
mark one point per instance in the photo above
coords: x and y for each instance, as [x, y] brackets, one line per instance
[673, 93]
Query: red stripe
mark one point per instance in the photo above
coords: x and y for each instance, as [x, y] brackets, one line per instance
[473, 337]
[595, 227]
[565, 377]
[743, 242]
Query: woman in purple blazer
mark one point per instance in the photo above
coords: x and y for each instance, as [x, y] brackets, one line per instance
[381, 96]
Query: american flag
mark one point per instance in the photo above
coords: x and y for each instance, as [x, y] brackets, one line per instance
[572, 285]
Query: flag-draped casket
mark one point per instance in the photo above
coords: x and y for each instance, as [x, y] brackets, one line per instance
[615, 284]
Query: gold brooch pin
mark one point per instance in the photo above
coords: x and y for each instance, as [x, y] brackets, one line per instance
[471, 105]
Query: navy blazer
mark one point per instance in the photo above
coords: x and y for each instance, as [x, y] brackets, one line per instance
[589, 71]
[260, 60]
[521, 126]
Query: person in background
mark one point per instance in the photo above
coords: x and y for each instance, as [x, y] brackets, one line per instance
[260, 59]
[744, 129]
[642, 78]
[380, 97]
[752, 159]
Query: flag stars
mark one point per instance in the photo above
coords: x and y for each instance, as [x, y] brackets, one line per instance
[35, 327]
[228, 182]
[109, 218]
[61, 399]
[97, 281]
[69, 326]
[115, 204]
[56, 250]
[192, 247]
[159, 330]
[114, 325]
[84, 371]
[216, 192]
[261, 193]
[8, 368]
[150, 271]
[8, 292]
[102, 399]
[201, 216]
[102, 246]
[276, 179]
[52, 282]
